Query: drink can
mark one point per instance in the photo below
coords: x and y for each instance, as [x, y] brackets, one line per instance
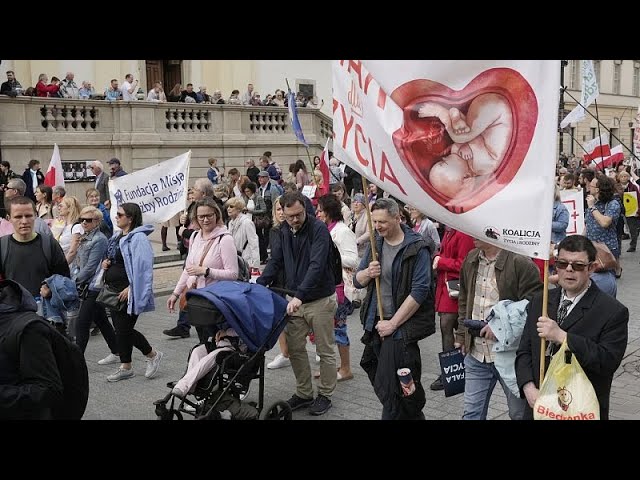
[406, 381]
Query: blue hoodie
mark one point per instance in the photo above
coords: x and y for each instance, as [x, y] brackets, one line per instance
[138, 262]
[64, 298]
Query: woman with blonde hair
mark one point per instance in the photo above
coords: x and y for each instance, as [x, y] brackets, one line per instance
[66, 229]
[243, 231]
[175, 93]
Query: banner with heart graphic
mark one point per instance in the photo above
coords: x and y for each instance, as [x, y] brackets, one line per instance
[469, 143]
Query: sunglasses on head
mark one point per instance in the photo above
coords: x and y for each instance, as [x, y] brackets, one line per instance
[576, 266]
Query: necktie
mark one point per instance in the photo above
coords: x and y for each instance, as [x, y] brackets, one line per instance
[552, 348]
[562, 311]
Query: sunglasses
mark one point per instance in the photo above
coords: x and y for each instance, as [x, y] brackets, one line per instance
[120, 215]
[576, 266]
[87, 220]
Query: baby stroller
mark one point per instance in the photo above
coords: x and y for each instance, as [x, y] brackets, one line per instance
[258, 316]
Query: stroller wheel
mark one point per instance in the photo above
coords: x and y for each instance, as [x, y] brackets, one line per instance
[278, 411]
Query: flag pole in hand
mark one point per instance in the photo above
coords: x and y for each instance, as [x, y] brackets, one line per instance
[374, 253]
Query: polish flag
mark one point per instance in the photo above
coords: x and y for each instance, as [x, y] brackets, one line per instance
[596, 148]
[55, 175]
[617, 156]
[324, 168]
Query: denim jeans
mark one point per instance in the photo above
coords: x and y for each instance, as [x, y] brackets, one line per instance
[479, 381]
[183, 321]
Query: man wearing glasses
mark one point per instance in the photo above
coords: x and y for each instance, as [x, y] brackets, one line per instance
[301, 250]
[488, 275]
[594, 325]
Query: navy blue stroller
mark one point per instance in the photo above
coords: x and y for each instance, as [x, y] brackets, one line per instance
[258, 316]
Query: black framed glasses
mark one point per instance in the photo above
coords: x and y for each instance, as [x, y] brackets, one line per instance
[577, 266]
[206, 216]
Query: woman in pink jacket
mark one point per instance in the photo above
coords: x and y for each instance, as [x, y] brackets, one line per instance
[212, 254]
[454, 247]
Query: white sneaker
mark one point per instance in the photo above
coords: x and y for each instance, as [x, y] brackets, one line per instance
[245, 394]
[121, 374]
[153, 364]
[109, 359]
[189, 408]
[279, 362]
[317, 358]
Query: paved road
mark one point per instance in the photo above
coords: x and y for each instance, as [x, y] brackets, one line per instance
[353, 399]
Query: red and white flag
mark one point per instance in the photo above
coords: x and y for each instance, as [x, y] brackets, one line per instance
[55, 175]
[617, 156]
[598, 147]
[469, 143]
[324, 168]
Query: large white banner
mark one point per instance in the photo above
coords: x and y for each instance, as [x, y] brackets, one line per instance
[574, 201]
[160, 190]
[470, 143]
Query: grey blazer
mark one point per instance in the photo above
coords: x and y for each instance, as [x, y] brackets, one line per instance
[103, 187]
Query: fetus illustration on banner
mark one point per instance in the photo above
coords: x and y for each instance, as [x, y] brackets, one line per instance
[464, 146]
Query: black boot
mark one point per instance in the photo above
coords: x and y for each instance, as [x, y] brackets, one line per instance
[437, 384]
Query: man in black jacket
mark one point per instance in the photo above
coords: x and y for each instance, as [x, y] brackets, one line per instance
[594, 325]
[33, 178]
[302, 252]
[31, 388]
[404, 269]
[12, 86]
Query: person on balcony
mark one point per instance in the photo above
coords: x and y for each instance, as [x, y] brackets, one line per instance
[216, 98]
[129, 88]
[248, 95]
[189, 93]
[202, 95]
[113, 92]
[44, 90]
[234, 99]
[175, 93]
[87, 91]
[12, 86]
[155, 94]
[68, 88]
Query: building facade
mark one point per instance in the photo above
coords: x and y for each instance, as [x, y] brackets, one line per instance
[617, 105]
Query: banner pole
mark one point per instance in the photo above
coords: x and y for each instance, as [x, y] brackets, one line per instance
[545, 298]
[374, 253]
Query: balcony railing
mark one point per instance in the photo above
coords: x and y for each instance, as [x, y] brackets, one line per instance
[78, 120]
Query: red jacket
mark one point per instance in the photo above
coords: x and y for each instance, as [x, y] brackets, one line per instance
[454, 248]
[46, 90]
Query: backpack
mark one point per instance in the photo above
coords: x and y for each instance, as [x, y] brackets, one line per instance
[4, 250]
[336, 263]
[69, 359]
[244, 273]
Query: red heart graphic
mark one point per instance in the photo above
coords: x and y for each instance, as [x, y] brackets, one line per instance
[493, 120]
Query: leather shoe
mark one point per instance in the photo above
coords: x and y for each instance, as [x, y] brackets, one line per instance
[631, 249]
[177, 332]
[437, 384]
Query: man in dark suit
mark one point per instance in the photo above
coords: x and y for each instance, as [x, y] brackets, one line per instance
[594, 324]
[33, 178]
[102, 182]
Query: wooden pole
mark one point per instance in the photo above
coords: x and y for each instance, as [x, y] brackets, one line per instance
[374, 253]
[545, 299]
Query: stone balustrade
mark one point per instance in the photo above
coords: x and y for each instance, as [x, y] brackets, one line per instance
[142, 133]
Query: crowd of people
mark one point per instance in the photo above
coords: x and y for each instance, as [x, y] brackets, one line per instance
[130, 90]
[288, 229]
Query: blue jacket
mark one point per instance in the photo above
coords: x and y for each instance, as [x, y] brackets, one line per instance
[105, 217]
[212, 175]
[138, 262]
[507, 319]
[90, 254]
[419, 285]
[64, 298]
[560, 222]
[303, 257]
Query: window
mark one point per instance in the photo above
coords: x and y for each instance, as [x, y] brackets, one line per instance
[593, 133]
[613, 141]
[636, 78]
[574, 77]
[617, 69]
[596, 69]
[573, 141]
[633, 132]
[306, 87]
